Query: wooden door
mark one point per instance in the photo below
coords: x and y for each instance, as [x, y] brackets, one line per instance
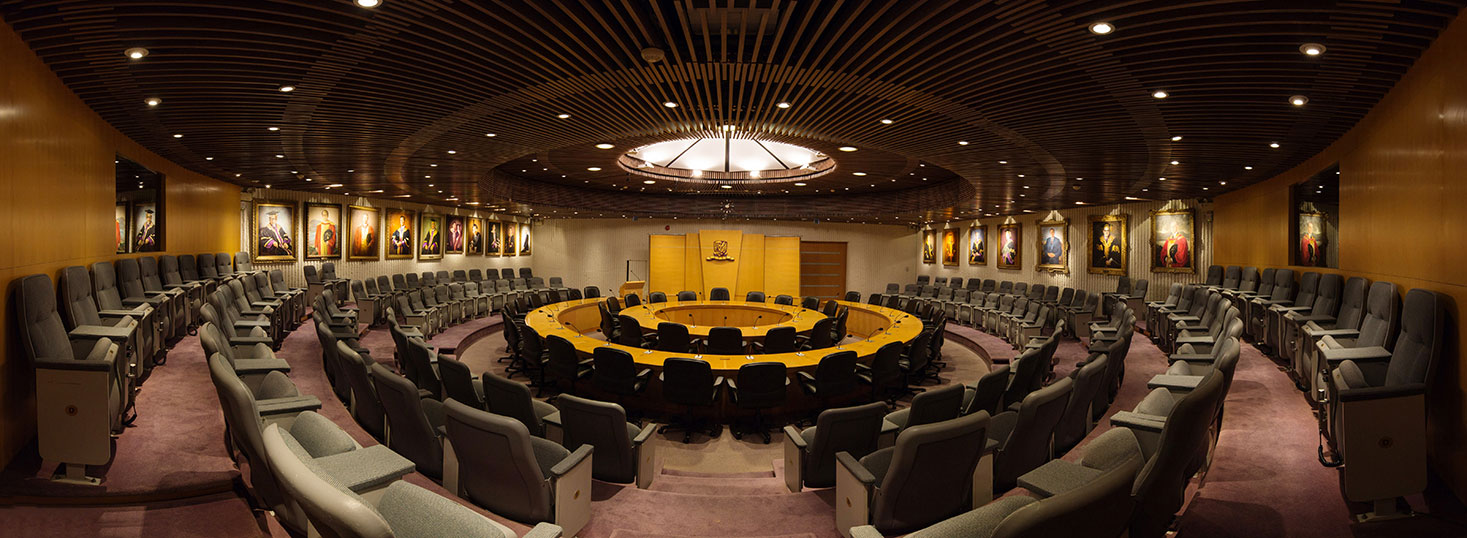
[823, 269]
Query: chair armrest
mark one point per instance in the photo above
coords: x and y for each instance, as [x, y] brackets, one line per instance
[1056, 477]
[1306, 318]
[866, 531]
[1138, 421]
[545, 530]
[283, 406]
[250, 340]
[1356, 354]
[645, 434]
[793, 435]
[1333, 332]
[582, 453]
[1377, 393]
[95, 332]
[1191, 357]
[854, 466]
[90, 364]
[1174, 382]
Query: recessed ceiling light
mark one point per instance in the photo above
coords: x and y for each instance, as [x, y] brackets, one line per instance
[208, 158]
[434, 165]
[1222, 183]
[267, 185]
[962, 142]
[783, 104]
[1003, 162]
[648, 182]
[604, 145]
[308, 179]
[885, 121]
[135, 53]
[287, 88]
[1247, 167]
[1274, 145]
[1079, 203]
[725, 186]
[799, 184]
[178, 136]
[1162, 179]
[562, 116]
[669, 104]
[1102, 28]
[1311, 49]
[594, 169]
[858, 173]
[334, 185]
[1298, 100]
[279, 156]
[451, 152]
[491, 135]
[351, 170]
[153, 101]
[1159, 94]
[274, 128]
[1177, 138]
[847, 148]
[369, 3]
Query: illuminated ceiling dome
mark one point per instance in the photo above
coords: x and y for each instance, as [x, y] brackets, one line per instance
[735, 157]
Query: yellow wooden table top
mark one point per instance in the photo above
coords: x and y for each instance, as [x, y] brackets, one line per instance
[876, 325]
[753, 319]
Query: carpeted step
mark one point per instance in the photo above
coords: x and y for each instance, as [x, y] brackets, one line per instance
[623, 533]
[696, 474]
[719, 487]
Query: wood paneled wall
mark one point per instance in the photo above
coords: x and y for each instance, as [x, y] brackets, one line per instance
[1138, 240]
[57, 190]
[1403, 179]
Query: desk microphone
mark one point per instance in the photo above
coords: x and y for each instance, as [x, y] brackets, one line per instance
[757, 318]
[725, 321]
[572, 326]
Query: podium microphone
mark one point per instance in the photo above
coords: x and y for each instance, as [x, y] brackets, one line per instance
[757, 318]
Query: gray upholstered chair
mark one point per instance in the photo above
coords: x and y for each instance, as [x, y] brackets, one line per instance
[1305, 329]
[412, 421]
[398, 509]
[1316, 291]
[936, 405]
[332, 452]
[987, 393]
[1206, 354]
[512, 399]
[293, 299]
[1255, 314]
[1024, 435]
[809, 454]
[109, 299]
[928, 476]
[624, 451]
[1099, 506]
[459, 382]
[1374, 413]
[494, 462]
[1079, 415]
[253, 364]
[84, 320]
[1377, 328]
[81, 382]
[364, 403]
[246, 412]
[171, 305]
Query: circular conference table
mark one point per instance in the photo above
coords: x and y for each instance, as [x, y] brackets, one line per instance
[875, 325]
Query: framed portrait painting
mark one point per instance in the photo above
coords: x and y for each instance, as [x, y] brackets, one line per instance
[401, 241]
[493, 238]
[1172, 246]
[1108, 249]
[949, 247]
[454, 238]
[929, 246]
[474, 238]
[1054, 246]
[323, 231]
[120, 215]
[525, 239]
[510, 240]
[1009, 255]
[430, 243]
[362, 243]
[145, 227]
[274, 227]
[978, 245]
[1312, 243]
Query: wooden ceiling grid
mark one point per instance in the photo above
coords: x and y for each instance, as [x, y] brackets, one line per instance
[382, 95]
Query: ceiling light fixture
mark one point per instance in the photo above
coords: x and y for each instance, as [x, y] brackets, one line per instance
[1247, 167]
[594, 169]
[783, 104]
[1102, 28]
[858, 173]
[799, 184]
[1298, 100]
[279, 156]
[1159, 94]
[208, 158]
[885, 121]
[648, 181]
[274, 128]
[287, 88]
[1003, 162]
[604, 145]
[135, 53]
[491, 135]
[369, 3]
[1311, 49]
[669, 104]
[962, 142]
[178, 136]
[452, 152]
[153, 101]
[1177, 138]
[562, 116]
[1174, 163]
[1274, 145]
[847, 148]
[725, 186]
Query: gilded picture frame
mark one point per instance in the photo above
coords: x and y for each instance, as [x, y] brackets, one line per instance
[430, 236]
[950, 247]
[365, 234]
[400, 231]
[455, 234]
[1054, 247]
[509, 241]
[1173, 246]
[1109, 250]
[474, 239]
[978, 245]
[929, 246]
[273, 232]
[322, 232]
[1010, 246]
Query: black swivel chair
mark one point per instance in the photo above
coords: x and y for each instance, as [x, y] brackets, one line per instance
[759, 386]
[563, 367]
[784, 299]
[724, 341]
[754, 297]
[656, 297]
[778, 340]
[834, 377]
[718, 294]
[674, 337]
[885, 373]
[690, 383]
[615, 372]
[686, 295]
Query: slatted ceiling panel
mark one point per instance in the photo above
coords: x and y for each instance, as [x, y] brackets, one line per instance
[387, 92]
[823, 269]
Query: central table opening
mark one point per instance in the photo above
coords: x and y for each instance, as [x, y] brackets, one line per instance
[725, 315]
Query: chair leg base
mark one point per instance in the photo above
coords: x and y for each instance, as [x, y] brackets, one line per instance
[68, 473]
[1386, 510]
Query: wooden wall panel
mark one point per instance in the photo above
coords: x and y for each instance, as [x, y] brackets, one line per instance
[1403, 176]
[751, 265]
[665, 264]
[782, 265]
[57, 191]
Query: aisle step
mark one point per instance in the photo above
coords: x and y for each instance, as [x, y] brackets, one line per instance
[623, 533]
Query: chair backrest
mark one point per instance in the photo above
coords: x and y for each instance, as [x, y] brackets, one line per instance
[936, 405]
[366, 403]
[428, 279]
[412, 281]
[242, 262]
[1248, 281]
[1231, 276]
[686, 295]
[718, 294]
[784, 299]
[506, 273]
[615, 370]
[1158, 489]
[77, 305]
[1421, 340]
[1100, 507]
[1214, 275]
[497, 463]
[848, 429]
[673, 337]
[458, 381]
[1352, 304]
[187, 268]
[923, 280]
[409, 432]
[988, 391]
[332, 509]
[1283, 285]
[836, 374]
[223, 266]
[43, 336]
[754, 297]
[1028, 444]
[633, 299]
[688, 381]
[242, 420]
[1382, 313]
[780, 340]
[511, 399]
[1327, 296]
[631, 331]
[418, 367]
[762, 385]
[929, 478]
[1139, 288]
[603, 425]
[130, 278]
[724, 341]
[104, 287]
[476, 275]
[1173, 294]
[940, 281]
[1308, 289]
[591, 292]
[210, 270]
[564, 363]
[1075, 421]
